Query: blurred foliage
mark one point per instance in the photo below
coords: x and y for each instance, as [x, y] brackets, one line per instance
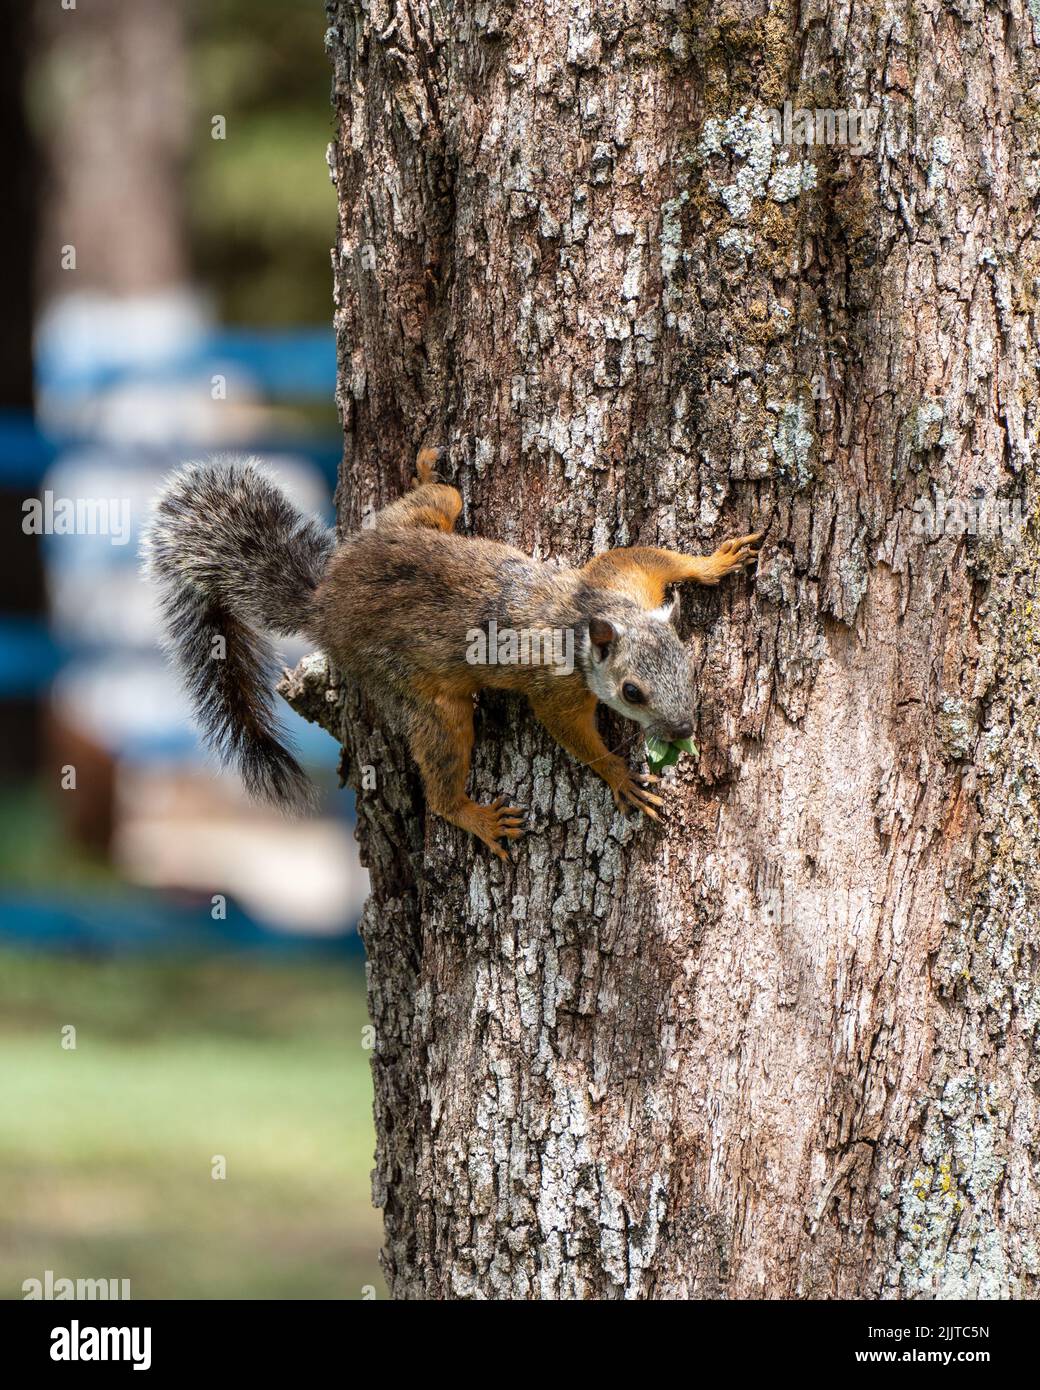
[105, 1152]
[261, 208]
[36, 850]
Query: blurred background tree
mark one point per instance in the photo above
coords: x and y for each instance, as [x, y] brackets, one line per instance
[261, 225]
[199, 1032]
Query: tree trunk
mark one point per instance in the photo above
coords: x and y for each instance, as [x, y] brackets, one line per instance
[785, 1045]
[115, 182]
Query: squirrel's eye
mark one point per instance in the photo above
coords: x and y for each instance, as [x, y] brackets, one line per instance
[633, 694]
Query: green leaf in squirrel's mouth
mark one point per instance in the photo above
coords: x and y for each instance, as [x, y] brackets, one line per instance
[660, 753]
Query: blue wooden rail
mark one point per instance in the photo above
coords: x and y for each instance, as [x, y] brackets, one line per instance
[27, 452]
[144, 922]
[295, 364]
[30, 657]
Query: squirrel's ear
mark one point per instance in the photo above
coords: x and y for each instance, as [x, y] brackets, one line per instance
[601, 634]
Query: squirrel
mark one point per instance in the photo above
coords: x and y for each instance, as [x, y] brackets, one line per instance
[396, 606]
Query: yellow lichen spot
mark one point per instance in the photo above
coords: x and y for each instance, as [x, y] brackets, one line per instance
[946, 1174]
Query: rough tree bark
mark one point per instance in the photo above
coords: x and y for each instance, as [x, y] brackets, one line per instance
[784, 1046]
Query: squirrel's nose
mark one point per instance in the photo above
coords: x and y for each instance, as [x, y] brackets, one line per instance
[681, 731]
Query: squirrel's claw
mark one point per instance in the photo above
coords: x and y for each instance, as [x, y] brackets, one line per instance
[740, 542]
[632, 794]
[498, 822]
[736, 554]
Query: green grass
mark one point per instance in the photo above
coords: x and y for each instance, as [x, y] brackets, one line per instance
[106, 1150]
[33, 841]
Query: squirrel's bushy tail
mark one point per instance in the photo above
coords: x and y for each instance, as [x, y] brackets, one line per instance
[230, 555]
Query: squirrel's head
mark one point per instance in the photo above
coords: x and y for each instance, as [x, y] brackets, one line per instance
[634, 662]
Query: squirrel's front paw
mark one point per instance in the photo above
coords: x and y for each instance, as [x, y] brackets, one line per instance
[632, 790]
[735, 554]
[497, 822]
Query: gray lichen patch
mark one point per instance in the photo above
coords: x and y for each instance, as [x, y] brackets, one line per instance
[949, 1244]
[762, 172]
[1034, 13]
[853, 574]
[790, 180]
[929, 1206]
[747, 136]
[672, 253]
[942, 154]
[794, 441]
[925, 426]
[738, 241]
[955, 728]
